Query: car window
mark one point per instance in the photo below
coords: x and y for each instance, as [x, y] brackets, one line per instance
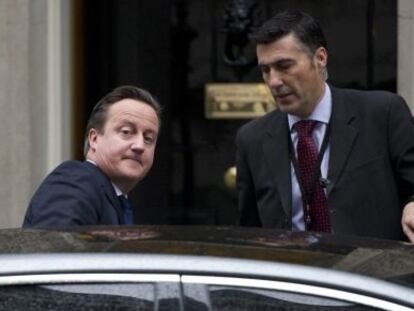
[235, 298]
[91, 297]
[214, 297]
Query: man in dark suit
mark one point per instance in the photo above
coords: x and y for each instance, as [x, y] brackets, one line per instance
[360, 144]
[120, 140]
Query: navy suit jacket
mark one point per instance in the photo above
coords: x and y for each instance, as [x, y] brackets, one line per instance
[75, 193]
[371, 166]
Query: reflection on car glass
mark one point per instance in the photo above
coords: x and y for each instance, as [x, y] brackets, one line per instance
[381, 263]
[289, 297]
[165, 295]
[142, 290]
[241, 300]
[123, 234]
[212, 297]
[196, 295]
[147, 291]
[287, 240]
[33, 298]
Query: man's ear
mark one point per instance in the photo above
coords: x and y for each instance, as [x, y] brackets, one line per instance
[93, 138]
[321, 57]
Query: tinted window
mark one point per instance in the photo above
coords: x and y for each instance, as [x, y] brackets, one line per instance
[209, 297]
[142, 296]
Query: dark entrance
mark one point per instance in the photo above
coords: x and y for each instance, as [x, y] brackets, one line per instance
[174, 47]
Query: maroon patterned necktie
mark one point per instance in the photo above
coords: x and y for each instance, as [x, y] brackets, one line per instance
[315, 206]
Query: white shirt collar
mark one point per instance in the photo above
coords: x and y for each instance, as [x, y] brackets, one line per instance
[322, 112]
[117, 190]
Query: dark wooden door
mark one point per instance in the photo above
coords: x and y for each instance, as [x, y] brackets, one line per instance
[175, 47]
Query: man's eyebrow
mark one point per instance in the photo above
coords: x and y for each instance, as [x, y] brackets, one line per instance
[126, 122]
[150, 131]
[276, 62]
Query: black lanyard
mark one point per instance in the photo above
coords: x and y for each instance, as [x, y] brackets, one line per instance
[316, 175]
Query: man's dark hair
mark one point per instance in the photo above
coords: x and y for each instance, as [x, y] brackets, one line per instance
[98, 117]
[303, 26]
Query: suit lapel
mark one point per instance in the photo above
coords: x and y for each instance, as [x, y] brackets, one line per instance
[108, 189]
[113, 199]
[276, 153]
[344, 132]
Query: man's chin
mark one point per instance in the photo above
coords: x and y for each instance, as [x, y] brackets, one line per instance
[135, 175]
[131, 180]
[287, 107]
[131, 170]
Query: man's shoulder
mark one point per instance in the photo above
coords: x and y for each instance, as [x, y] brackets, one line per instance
[77, 170]
[71, 167]
[363, 95]
[72, 194]
[70, 164]
[367, 101]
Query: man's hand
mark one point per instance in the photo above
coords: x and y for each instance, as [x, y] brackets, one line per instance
[407, 221]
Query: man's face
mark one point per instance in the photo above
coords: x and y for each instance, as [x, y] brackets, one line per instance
[295, 78]
[124, 150]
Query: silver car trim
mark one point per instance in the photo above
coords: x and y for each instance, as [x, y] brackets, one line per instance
[62, 278]
[71, 263]
[295, 288]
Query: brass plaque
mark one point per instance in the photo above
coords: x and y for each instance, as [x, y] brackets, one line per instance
[237, 100]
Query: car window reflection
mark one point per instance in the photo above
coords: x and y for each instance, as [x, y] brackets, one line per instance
[91, 297]
[213, 297]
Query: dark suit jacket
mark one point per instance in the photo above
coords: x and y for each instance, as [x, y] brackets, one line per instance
[75, 193]
[371, 166]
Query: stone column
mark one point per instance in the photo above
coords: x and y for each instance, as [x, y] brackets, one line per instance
[405, 77]
[32, 126]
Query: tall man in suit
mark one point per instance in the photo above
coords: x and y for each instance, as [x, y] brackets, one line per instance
[361, 144]
[120, 141]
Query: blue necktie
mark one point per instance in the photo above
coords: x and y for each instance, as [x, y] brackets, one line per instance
[127, 209]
